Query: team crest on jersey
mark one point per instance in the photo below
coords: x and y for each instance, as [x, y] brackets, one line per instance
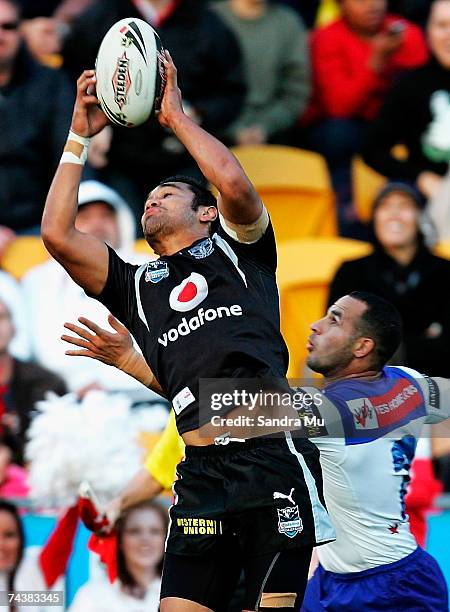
[156, 271]
[202, 250]
[289, 521]
[363, 413]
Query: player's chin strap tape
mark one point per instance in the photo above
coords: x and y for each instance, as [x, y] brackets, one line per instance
[246, 234]
[76, 149]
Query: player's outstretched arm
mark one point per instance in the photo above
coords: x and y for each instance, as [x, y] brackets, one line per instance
[113, 348]
[82, 255]
[238, 201]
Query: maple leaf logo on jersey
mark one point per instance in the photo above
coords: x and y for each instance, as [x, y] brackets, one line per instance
[393, 528]
[121, 80]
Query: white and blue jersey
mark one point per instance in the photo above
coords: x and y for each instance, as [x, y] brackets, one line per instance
[375, 564]
[366, 463]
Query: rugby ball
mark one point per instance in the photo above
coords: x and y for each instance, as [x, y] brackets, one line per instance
[130, 72]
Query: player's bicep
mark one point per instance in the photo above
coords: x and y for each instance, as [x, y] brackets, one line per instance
[85, 258]
[240, 204]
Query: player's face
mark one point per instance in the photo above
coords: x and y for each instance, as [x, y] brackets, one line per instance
[396, 221]
[168, 209]
[364, 15]
[9, 33]
[439, 32]
[6, 328]
[9, 542]
[100, 220]
[331, 345]
[143, 539]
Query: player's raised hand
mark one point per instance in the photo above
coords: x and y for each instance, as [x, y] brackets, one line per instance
[87, 119]
[112, 348]
[171, 105]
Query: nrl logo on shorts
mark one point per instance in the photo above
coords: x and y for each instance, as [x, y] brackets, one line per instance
[121, 80]
[202, 250]
[156, 271]
[289, 521]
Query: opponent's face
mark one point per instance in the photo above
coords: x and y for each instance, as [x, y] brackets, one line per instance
[100, 220]
[9, 542]
[9, 34]
[168, 209]
[396, 221]
[365, 16]
[143, 538]
[333, 344]
[6, 328]
[439, 32]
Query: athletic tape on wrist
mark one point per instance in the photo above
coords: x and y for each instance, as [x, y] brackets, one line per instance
[76, 149]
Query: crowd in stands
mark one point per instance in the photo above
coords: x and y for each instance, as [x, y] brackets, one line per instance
[252, 72]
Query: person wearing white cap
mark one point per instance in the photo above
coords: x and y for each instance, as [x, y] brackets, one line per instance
[52, 297]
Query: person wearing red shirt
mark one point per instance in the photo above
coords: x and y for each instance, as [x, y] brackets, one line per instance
[355, 61]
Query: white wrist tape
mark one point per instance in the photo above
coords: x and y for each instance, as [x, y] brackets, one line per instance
[76, 149]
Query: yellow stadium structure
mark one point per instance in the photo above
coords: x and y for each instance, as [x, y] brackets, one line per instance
[305, 269]
[23, 254]
[295, 186]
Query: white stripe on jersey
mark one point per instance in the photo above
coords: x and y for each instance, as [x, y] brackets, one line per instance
[322, 526]
[223, 244]
[137, 278]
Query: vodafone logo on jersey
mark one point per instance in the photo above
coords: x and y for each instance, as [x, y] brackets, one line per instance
[189, 293]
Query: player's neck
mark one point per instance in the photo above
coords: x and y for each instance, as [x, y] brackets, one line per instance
[365, 375]
[174, 243]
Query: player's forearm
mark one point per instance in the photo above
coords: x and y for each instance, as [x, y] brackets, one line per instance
[217, 163]
[60, 211]
[141, 487]
[134, 364]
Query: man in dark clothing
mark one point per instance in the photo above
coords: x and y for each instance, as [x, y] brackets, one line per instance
[22, 384]
[403, 271]
[211, 78]
[35, 111]
[416, 113]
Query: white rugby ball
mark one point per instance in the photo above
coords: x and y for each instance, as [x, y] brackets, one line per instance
[130, 72]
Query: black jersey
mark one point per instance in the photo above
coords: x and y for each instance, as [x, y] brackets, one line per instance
[208, 311]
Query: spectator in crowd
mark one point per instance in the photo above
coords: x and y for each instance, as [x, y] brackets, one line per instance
[210, 75]
[404, 271]
[22, 384]
[31, 568]
[13, 477]
[416, 113]
[140, 532]
[355, 60]
[12, 295]
[103, 213]
[276, 63]
[35, 108]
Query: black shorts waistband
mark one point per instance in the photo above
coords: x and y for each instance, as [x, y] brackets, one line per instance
[233, 447]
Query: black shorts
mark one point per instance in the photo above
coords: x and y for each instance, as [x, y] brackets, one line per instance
[247, 499]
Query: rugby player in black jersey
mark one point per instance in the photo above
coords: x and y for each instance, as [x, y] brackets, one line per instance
[207, 308]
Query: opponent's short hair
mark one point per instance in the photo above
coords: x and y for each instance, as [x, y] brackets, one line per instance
[382, 322]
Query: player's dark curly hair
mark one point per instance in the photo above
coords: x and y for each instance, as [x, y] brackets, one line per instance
[202, 195]
[382, 322]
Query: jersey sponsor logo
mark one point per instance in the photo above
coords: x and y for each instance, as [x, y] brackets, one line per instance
[433, 393]
[156, 271]
[202, 317]
[277, 495]
[202, 250]
[386, 409]
[189, 293]
[182, 400]
[199, 526]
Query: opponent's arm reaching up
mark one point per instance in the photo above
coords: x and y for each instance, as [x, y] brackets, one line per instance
[238, 201]
[83, 256]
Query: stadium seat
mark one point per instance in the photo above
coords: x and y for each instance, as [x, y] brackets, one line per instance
[442, 249]
[305, 269]
[295, 186]
[23, 254]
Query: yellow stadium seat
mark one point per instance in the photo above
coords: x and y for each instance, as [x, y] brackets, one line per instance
[295, 186]
[305, 269]
[442, 249]
[23, 254]
[142, 246]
